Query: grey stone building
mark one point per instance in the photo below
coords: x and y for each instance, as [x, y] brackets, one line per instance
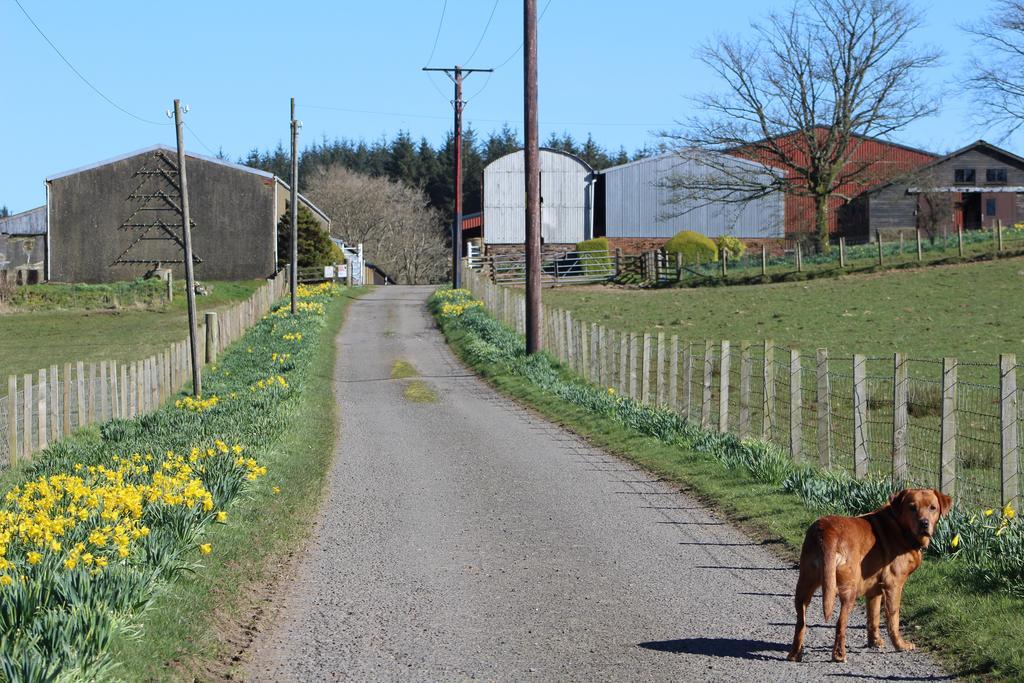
[117, 219]
[971, 188]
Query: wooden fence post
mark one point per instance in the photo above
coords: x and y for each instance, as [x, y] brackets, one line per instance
[570, 342]
[41, 410]
[919, 254]
[725, 263]
[623, 363]
[92, 393]
[746, 366]
[673, 373]
[124, 390]
[1009, 420]
[900, 424]
[618, 261]
[799, 258]
[634, 352]
[12, 420]
[796, 412]
[66, 398]
[824, 410]
[584, 341]
[768, 409]
[659, 372]
[28, 408]
[104, 392]
[860, 417]
[705, 400]
[842, 252]
[679, 265]
[688, 380]
[55, 412]
[80, 393]
[645, 379]
[960, 240]
[878, 239]
[947, 465]
[902, 242]
[595, 355]
[212, 334]
[723, 388]
[999, 235]
[764, 259]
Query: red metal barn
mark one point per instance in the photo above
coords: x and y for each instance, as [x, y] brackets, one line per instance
[880, 160]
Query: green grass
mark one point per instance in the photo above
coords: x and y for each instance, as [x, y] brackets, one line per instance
[190, 628]
[975, 635]
[418, 391]
[402, 369]
[972, 312]
[38, 339]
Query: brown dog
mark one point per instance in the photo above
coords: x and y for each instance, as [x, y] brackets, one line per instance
[871, 555]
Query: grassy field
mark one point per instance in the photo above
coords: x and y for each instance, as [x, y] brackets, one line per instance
[39, 338]
[975, 634]
[971, 311]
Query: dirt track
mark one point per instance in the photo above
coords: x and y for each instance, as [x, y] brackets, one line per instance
[468, 538]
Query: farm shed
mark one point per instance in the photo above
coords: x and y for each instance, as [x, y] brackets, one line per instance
[970, 188]
[637, 203]
[567, 199]
[116, 219]
[873, 161]
[23, 244]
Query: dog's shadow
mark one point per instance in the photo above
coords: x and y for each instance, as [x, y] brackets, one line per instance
[739, 648]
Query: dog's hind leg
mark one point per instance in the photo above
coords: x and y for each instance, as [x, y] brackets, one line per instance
[805, 587]
[847, 599]
[874, 609]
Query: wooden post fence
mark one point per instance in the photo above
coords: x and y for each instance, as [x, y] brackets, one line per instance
[746, 365]
[705, 401]
[860, 417]
[947, 470]
[768, 408]
[1009, 420]
[795, 404]
[900, 418]
[723, 388]
[824, 410]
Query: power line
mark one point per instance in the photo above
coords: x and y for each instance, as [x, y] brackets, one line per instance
[198, 139]
[484, 34]
[79, 73]
[509, 58]
[436, 37]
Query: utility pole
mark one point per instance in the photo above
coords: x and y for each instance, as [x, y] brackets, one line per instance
[293, 278]
[532, 172]
[190, 280]
[455, 73]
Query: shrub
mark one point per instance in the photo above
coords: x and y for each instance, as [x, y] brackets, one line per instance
[731, 244]
[694, 247]
[595, 264]
[315, 246]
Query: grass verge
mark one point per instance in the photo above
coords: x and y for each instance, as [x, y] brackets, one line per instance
[974, 633]
[190, 630]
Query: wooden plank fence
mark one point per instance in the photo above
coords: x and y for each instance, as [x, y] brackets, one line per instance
[868, 415]
[45, 406]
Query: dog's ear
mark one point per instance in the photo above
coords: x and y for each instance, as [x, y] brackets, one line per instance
[896, 499]
[945, 502]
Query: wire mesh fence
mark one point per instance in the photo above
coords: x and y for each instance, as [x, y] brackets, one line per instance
[928, 422]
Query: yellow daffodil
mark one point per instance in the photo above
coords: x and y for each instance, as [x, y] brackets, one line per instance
[205, 548]
[34, 557]
[1009, 512]
[275, 490]
[988, 513]
[222, 516]
[956, 541]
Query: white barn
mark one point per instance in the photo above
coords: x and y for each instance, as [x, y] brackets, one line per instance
[638, 203]
[566, 192]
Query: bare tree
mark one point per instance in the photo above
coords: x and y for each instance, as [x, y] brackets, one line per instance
[997, 76]
[934, 202]
[398, 229]
[802, 95]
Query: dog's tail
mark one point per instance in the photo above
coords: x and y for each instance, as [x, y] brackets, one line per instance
[829, 563]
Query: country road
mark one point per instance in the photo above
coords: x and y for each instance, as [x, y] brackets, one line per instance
[469, 539]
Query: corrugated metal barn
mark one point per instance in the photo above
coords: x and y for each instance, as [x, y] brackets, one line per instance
[567, 199]
[638, 203]
[23, 242]
[116, 219]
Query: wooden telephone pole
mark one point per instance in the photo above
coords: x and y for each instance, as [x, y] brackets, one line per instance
[455, 73]
[532, 172]
[293, 275]
[190, 280]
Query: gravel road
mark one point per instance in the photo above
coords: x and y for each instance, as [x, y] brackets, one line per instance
[470, 539]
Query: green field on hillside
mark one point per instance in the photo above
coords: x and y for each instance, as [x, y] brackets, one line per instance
[36, 339]
[971, 312]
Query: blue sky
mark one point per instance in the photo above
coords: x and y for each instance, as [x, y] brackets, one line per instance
[621, 70]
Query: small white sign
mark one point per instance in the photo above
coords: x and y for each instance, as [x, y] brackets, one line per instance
[329, 272]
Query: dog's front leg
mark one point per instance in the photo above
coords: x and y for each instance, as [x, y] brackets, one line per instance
[893, 596]
[874, 609]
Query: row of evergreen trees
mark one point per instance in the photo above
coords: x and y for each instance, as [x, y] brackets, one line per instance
[421, 165]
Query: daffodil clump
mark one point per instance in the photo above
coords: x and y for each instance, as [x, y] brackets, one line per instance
[196, 405]
[292, 336]
[452, 303]
[100, 526]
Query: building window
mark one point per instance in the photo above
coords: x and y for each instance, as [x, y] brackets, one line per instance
[995, 175]
[990, 207]
[963, 175]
